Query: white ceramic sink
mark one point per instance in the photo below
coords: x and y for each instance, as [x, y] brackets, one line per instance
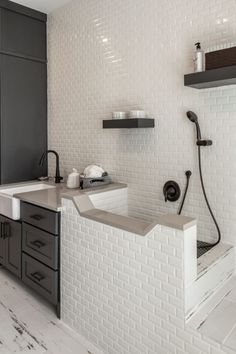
[10, 205]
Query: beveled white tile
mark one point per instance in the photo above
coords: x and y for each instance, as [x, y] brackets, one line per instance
[117, 70]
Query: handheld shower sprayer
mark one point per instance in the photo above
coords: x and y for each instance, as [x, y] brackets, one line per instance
[192, 116]
[194, 119]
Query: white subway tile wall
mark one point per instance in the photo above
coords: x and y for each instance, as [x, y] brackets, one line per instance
[113, 201]
[125, 293]
[121, 55]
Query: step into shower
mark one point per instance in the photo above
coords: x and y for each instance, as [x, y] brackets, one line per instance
[216, 320]
[213, 270]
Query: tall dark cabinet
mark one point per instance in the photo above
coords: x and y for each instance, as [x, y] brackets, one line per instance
[23, 92]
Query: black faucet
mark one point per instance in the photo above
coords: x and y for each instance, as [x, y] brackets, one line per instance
[58, 178]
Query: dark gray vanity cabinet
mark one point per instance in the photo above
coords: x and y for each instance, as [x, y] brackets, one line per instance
[30, 249]
[10, 245]
[23, 92]
[41, 251]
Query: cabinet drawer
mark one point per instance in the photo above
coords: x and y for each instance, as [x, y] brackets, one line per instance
[40, 278]
[23, 35]
[41, 245]
[44, 219]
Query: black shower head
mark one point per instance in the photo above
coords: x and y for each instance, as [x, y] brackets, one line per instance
[192, 116]
[194, 119]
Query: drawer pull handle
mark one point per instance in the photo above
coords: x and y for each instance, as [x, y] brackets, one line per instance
[5, 230]
[37, 243]
[36, 217]
[37, 276]
[2, 231]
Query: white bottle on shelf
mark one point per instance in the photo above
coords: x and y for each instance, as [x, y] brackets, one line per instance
[199, 62]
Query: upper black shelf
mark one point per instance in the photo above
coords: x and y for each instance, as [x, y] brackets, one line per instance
[129, 123]
[211, 78]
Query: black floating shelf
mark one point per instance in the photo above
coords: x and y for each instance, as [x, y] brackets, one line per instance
[129, 123]
[212, 78]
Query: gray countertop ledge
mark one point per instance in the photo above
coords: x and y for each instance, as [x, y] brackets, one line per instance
[137, 226]
[52, 199]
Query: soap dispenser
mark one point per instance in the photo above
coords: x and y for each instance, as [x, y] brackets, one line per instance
[199, 58]
[73, 179]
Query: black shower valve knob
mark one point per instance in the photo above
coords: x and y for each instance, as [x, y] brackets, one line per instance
[171, 191]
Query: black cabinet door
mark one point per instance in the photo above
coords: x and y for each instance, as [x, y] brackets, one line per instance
[41, 278]
[23, 118]
[2, 244]
[22, 35]
[12, 237]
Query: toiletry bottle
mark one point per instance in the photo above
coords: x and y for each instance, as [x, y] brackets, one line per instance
[73, 179]
[199, 58]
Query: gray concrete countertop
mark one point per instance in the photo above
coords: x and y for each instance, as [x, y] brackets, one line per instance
[52, 199]
[179, 222]
[138, 226]
[127, 223]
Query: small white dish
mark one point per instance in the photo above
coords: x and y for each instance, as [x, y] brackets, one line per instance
[118, 115]
[137, 114]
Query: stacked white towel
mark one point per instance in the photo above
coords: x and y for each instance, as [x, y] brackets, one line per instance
[93, 171]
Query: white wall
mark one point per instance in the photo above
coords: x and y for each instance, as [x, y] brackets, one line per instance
[115, 201]
[108, 55]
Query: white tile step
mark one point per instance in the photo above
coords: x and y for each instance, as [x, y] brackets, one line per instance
[208, 260]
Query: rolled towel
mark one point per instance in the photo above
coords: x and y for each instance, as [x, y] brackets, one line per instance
[93, 171]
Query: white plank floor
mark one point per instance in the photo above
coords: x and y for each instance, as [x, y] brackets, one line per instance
[217, 320]
[29, 325]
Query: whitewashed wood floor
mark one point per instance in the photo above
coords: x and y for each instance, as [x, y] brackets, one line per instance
[220, 325]
[29, 325]
[217, 318]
